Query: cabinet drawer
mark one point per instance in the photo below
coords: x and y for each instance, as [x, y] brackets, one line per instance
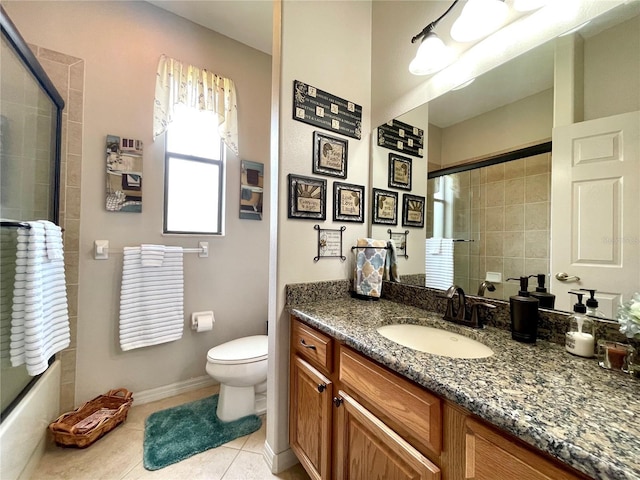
[407, 408]
[312, 345]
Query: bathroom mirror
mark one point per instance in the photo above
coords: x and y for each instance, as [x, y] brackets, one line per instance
[511, 233]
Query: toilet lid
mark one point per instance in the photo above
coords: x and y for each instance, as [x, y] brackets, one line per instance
[241, 350]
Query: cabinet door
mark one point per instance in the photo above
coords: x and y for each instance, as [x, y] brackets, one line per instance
[310, 418]
[367, 449]
[492, 456]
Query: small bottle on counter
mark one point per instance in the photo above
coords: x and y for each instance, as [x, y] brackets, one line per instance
[579, 340]
[546, 299]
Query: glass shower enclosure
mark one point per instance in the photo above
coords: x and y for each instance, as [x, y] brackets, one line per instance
[30, 139]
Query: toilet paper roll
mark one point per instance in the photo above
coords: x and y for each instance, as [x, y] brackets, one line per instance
[202, 321]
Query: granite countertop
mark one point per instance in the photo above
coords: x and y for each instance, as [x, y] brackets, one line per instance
[564, 405]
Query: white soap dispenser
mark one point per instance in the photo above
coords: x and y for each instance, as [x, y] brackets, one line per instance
[579, 340]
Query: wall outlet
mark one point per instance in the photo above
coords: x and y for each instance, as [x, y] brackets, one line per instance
[494, 277]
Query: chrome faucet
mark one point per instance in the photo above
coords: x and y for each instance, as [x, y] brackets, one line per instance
[458, 313]
[486, 285]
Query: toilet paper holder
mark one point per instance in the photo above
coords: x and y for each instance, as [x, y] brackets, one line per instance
[202, 321]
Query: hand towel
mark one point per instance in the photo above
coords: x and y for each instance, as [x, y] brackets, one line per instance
[152, 255]
[40, 316]
[8, 249]
[391, 263]
[151, 299]
[370, 260]
[439, 266]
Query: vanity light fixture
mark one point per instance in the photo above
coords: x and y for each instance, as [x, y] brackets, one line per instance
[478, 19]
[432, 54]
[528, 5]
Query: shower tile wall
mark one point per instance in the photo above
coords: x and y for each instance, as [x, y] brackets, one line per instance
[67, 74]
[505, 209]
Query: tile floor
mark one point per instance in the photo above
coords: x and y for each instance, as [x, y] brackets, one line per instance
[118, 455]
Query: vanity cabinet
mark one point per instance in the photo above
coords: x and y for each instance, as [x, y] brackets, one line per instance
[353, 419]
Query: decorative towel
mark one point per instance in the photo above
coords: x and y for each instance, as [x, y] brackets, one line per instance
[391, 263]
[152, 255]
[151, 299]
[40, 315]
[370, 263]
[439, 265]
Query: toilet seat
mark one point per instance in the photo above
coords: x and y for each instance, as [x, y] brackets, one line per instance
[242, 350]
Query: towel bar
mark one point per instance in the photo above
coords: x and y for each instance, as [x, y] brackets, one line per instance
[101, 250]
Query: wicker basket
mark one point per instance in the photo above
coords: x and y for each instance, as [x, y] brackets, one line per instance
[92, 420]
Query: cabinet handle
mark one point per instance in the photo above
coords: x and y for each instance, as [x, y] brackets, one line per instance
[305, 345]
[322, 387]
[337, 401]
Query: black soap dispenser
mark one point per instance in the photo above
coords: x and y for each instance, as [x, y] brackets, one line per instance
[546, 299]
[592, 304]
[524, 313]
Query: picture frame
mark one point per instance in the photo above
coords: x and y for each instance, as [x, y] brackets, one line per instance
[307, 197]
[385, 207]
[413, 211]
[330, 155]
[399, 172]
[348, 202]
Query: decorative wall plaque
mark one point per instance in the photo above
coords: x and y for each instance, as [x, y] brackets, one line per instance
[401, 137]
[321, 109]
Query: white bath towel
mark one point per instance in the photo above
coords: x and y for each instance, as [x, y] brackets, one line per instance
[151, 299]
[438, 263]
[40, 316]
[152, 255]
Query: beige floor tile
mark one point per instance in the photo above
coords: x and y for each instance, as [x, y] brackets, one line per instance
[110, 457]
[208, 465]
[255, 441]
[251, 466]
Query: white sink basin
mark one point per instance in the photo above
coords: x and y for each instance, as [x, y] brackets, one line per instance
[435, 341]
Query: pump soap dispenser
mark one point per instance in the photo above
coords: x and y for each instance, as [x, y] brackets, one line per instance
[524, 314]
[579, 338]
[592, 304]
[546, 299]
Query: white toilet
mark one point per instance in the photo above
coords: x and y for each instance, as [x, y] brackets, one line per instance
[241, 368]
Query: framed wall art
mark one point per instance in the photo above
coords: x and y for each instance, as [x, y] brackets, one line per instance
[412, 211]
[307, 197]
[399, 172]
[401, 137]
[329, 155]
[385, 207]
[348, 202]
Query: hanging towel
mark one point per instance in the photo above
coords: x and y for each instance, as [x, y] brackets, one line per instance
[370, 266]
[438, 263]
[152, 255]
[391, 263]
[40, 315]
[151, 299]
[8, 249]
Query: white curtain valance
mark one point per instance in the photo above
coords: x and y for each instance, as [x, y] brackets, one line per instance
[198, 89]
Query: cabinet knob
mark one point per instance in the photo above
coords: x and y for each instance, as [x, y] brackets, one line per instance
[306, 345]
[322, 387]
[337, 401]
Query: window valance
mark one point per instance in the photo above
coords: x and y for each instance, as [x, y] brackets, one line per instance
[198, 89]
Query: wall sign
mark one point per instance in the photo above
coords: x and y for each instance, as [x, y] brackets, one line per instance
[401, 137]
[321, 109]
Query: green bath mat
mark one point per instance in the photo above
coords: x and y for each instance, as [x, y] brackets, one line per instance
[180, 432]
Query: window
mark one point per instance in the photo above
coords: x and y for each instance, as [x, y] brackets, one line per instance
[194, 174]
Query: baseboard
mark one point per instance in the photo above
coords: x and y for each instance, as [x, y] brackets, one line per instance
[173, 389]
[280, 462]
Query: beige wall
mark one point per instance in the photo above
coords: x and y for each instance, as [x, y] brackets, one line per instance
[522, 123]
[120, 43]
[612, 71]
[327, 45]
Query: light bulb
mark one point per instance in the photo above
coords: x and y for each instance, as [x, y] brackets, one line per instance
[478, 19]
[432, 55]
